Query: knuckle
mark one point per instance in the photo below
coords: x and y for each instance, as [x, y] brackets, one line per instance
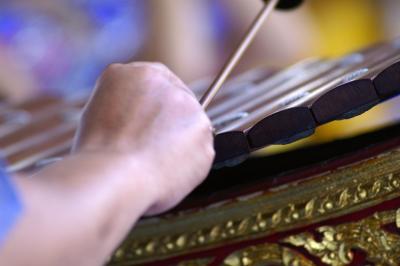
[180, 99]
[193, 103]
[159, 66]
[148, 71]
[112, 69]
[205, 121]
[137, 70]
[111, 72]
[156, 65]
[210, 152]
[202, 125]
[150, 67]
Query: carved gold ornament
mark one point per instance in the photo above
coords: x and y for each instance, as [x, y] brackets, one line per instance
[317, 198]
[335, 248]
[266, 254]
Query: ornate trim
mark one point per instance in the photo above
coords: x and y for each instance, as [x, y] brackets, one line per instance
[266, 254]
[294, 205]
[335, 248]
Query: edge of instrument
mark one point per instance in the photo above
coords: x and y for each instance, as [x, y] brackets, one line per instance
[328, 213]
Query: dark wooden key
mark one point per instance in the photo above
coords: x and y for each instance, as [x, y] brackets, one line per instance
[338, 99]
[267, 125]
[284, 120]
[288, 93]
[233, 146]
[254, 76]
[353, 97]
[362, 89]
[271, 87]
[350, 95]
[282, 127]
[241, 84]
[387, 83]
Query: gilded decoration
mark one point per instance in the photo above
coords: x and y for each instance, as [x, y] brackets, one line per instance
[335, 247]
[337, 243]
[266, 254]
[317, 198]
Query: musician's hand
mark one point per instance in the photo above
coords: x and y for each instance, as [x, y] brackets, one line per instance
[145, 112]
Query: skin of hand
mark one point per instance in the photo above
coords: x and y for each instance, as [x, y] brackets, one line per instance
[143, 144]
[156, 118]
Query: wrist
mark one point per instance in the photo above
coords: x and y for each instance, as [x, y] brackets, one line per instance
[132, 176]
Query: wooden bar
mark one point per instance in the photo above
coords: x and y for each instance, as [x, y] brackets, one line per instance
[276, 85]
[387, 83]
[292, 119]
[29, 163]
[232, 148]
[353, 97]
[282, 128]
[65, 134]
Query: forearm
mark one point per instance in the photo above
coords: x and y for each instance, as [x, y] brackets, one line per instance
[78, 210]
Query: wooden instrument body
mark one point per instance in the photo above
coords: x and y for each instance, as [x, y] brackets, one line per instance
[334, 204]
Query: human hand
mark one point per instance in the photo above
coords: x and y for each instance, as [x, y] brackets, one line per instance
[145, 113]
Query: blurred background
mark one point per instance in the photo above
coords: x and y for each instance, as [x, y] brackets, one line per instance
[58, 46]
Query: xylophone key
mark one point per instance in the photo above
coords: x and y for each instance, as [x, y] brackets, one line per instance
[387, 83]
[353, 97]
[288, 116]
[29, 164]
[47, 141]
[273, 86]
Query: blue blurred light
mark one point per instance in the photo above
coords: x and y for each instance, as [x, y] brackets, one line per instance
[10, 204]
[105, 12]
[220, 19]
[67, 59]
[10, 24]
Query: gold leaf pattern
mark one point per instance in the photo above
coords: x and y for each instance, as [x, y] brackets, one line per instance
[335, 248]
[348, 189]
[266, 254]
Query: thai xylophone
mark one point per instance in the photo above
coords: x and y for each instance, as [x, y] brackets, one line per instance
[276, 210]
[255, 109]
